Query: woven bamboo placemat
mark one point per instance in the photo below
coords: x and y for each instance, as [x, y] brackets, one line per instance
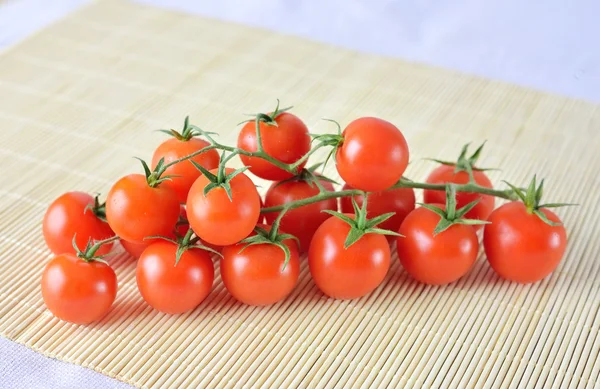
[83, 96]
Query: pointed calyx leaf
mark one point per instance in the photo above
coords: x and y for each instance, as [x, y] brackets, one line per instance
[326, 140]
[268, 119]
[450, 215]
[155, 177]
[88, 254]
[532, 198]
[272, 237]
[360, 224]
[98, 208]
[310, 177]
[187, 132]
[222, 179]
[465, 163]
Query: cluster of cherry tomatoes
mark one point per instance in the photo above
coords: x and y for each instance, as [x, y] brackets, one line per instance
[189, 207]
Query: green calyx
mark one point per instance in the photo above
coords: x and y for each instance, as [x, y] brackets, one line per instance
[360, 225]
[451, 215]
[155, 177]
[532, 198]
[268, 119]
[333, 140]
[88, 254]
[187, 132]
[187, 242]
[465, 163]
[221, 179]
[98, 208]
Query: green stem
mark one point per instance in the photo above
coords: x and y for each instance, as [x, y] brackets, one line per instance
[90, 253]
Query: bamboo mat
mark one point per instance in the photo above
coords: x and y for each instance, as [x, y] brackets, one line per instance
[82, 97]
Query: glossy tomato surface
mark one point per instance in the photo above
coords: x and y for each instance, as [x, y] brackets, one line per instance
[438, 259]
[174, 288]
[77, 291]
[218, 220]
[287, 142]
[373, 155]
[347, 273]
[520, 246]
[135, 210]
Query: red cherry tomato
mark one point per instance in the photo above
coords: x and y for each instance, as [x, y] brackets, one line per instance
[347, 273]
[287, 142]
[218, 220]
[445, 174]
[66, 217]
[401, 201]
[301, 222]
[439, 259]
[520, 246]
[373, 155]
[254, 276]
[77, 291]
[135, 210]
[185, 172]
[172, 288]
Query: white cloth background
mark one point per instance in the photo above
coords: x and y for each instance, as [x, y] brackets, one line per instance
[550, 45]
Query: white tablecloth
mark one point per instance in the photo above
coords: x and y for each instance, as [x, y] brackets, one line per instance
[550, 45]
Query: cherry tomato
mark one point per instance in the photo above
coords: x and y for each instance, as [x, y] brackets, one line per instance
[520, 246]
[373, 154]
[347, 273]
[174, 288]
[438, 259]
[254, 276]
[287, 142]
[218, 220]
[77, 291]
[135, 210]
[445, 174]
[301, 222]
[185, 172]
[401, 201]
[66, 217]
[135, 249]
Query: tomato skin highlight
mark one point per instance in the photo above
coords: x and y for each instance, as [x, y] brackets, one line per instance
[287, 142]
[520, 246]
[173, 149]
[135, 210]
[440, 259]
[445, 174]
[66, 217]
[347, 273]
[401, 201]
[301, 222]
[77, 291]
[171, 288]
[373, 155]
[254, 276]
[218, 220]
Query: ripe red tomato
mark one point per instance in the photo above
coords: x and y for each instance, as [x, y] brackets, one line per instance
[347, 273]
[185, 172]
[218, 220]
[439, 259]
[520, 246]
[66, 217]
[401, 201]
[287, 142]
[135, 210]
[301, 222]
[77, 291]
[174, 288]
[254, 276]
[373, 154]
[445, 174]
